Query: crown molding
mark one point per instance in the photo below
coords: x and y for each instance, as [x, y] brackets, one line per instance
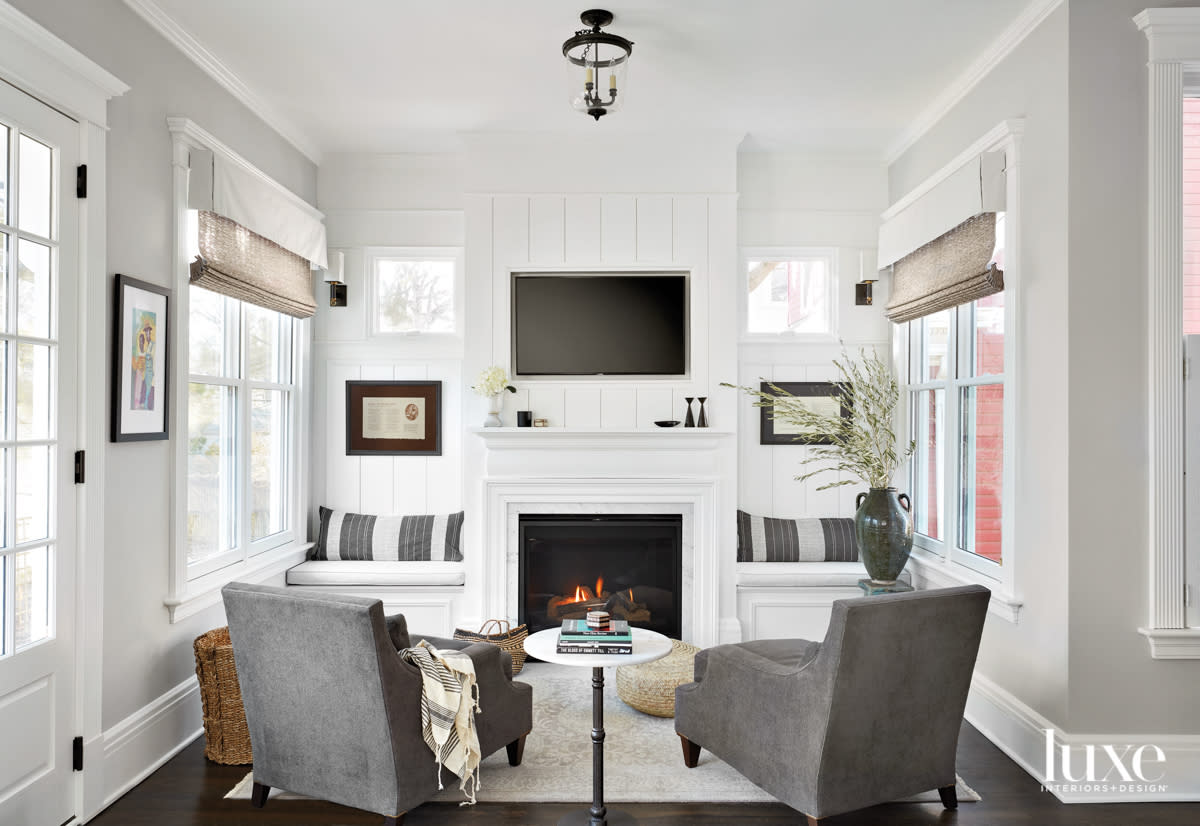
[199, 54]
[1000, 48]
[45, 65]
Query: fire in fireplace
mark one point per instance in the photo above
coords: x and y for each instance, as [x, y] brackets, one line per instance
[628, 565]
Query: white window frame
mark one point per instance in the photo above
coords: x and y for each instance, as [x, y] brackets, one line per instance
[1174, 38]
[953, 454]
[195, 588]
[931, 566]
[832, 293]
[432, 342]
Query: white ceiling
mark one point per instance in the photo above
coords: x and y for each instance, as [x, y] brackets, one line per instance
[837, 76]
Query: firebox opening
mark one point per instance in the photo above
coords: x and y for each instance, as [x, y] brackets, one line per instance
[627, 564]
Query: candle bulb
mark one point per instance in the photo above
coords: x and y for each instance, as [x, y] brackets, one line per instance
[588, 78]
[612, 83]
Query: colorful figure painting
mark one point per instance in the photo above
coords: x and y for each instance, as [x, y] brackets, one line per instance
[145, 335]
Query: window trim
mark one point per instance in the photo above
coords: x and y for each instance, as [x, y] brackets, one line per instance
[186, 597]
[449, 341]
[931, 569]
[832, 292]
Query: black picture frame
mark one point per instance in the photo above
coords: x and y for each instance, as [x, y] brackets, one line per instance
[768, 434]
[381, 416]
[141, 387]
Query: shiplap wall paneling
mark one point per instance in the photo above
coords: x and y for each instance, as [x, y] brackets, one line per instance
[548, 403]
[618, 230]
[722, 324]
[582, 220]
[546, 230]
[443, 474]
[618, 408]
[689, 242]
[377, 485]
[510, 251]
[341, 471]
[653, 404]
[755, 461]
[654, 229]
[582, 408]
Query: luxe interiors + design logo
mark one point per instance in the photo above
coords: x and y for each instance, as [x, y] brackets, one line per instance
[1102, 768]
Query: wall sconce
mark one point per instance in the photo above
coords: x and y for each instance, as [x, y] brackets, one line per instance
[335, 278]
[862, 292]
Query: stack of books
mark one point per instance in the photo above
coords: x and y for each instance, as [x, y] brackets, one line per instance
[578, 637]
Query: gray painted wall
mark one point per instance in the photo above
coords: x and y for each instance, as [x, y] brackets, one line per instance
[1082, 554]
[144, 655]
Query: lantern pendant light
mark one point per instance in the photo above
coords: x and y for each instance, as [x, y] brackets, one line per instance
[597, 63]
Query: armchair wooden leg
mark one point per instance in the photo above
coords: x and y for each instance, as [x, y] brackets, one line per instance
[258, 795]
[810, 820]
[691, 752]
[516, 750]
[398, 820]
[949, 795]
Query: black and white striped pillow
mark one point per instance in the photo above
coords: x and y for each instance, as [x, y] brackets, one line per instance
[763, 539]
[360, 536]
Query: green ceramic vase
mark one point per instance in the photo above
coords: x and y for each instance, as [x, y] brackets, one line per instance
[884, 531]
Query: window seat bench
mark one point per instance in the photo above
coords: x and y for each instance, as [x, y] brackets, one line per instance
[425, 592]
[794, 599]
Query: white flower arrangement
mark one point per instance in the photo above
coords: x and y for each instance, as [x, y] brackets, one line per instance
[491, 381]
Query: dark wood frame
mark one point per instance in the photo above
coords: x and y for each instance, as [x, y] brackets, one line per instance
[121, 345]
[356, 445]
[766, 430]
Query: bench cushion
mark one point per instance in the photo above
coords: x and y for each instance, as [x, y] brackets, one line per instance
[763, 539]
[361, 536]
[805, 575]
[350, 573]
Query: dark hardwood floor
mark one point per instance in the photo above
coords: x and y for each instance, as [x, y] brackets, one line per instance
[189, 790]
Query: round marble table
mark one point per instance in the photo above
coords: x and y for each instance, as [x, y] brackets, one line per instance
[647, 647]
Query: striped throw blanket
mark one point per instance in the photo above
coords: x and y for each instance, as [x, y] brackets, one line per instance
[449, 700]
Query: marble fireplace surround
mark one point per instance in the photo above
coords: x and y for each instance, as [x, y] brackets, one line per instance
[694, 499]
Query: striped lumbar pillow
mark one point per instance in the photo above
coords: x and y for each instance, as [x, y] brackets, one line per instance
[363, 536]
[762, 539]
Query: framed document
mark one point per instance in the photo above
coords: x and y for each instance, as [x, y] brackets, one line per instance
[393, 418]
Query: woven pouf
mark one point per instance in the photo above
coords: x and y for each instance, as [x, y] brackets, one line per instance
[650, 687]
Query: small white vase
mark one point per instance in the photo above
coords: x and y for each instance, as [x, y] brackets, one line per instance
[495, 405]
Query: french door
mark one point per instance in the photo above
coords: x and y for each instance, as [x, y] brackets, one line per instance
[38, 364]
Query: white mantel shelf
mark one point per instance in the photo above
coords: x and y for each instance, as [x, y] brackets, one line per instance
[562, 438]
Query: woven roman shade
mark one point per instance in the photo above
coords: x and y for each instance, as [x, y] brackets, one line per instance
[236, 262]
[950, 270]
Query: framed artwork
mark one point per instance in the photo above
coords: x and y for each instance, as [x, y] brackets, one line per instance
[141, 363]
[818, 396]
[393, 418]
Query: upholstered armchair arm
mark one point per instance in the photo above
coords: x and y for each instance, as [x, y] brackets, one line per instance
[735, 709]
[397, 628]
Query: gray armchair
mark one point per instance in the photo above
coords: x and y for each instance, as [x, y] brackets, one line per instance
[869, 715]
[333, 711]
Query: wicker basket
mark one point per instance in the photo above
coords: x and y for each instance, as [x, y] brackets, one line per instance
[650, 687]
[226, 738]
[508, 638]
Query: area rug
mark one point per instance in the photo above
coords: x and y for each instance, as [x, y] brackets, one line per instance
[643, 761]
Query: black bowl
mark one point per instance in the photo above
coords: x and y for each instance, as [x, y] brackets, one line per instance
[668, 423]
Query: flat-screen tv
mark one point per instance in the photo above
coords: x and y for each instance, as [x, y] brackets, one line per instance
[629, 324]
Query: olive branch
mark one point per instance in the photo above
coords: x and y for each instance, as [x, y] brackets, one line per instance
[863, 445]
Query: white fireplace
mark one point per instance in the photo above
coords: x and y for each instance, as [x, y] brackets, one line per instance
[536, 471]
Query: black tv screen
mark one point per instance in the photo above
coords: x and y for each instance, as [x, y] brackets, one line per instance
[600, 325]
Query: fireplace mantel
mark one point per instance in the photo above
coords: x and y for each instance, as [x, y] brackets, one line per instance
[561, 438]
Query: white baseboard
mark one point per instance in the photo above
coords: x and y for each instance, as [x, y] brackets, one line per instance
[141, 743]
[1020, 732]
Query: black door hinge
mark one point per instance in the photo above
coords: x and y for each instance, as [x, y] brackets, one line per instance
[79, 467]
[81, 181]
[77, 754]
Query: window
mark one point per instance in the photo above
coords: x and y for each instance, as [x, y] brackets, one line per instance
[241, 395]
[790, 292]
[415, 291]
[956, 404]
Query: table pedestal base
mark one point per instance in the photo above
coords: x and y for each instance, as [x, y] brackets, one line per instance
[583, 817]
